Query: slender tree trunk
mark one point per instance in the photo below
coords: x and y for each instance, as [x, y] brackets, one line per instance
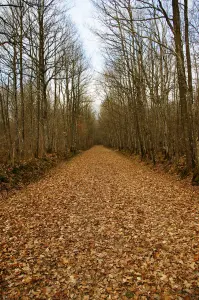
[188, 56]
[38, 114]
[21, 82]
[183, 89]
[192, 133]
[16, 152]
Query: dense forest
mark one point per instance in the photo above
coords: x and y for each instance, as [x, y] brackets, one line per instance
[151, 78]
[149, 81]
[44, 75]
[92, 205]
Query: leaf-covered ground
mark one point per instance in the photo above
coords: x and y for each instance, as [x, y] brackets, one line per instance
[101, 227]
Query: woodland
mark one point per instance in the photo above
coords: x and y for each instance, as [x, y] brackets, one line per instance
[151, 78]
[44, 74]
[100, 225]
[149, 83]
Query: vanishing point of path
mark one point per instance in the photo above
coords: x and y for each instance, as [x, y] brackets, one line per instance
[101, 226]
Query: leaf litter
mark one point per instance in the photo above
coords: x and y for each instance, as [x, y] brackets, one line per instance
[101, 227]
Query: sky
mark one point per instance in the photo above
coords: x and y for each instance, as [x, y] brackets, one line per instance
[82, 14]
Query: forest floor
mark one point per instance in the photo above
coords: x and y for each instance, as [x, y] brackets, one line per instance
[101, 226]
[17, 176]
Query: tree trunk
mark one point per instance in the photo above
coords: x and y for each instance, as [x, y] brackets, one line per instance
[183, 88]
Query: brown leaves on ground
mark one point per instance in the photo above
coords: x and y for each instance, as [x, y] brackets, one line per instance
[101, 227]
[13, 178]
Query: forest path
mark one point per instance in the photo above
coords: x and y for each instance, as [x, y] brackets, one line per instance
[101, 226]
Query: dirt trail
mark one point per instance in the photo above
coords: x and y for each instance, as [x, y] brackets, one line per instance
[101, 227]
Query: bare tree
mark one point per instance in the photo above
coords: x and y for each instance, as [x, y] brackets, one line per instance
[149, 78]
[44, 81]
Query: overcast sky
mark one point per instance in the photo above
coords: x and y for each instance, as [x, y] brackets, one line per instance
[82, 14]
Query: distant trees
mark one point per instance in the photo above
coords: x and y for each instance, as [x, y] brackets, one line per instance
[151, 105]
[44, 75]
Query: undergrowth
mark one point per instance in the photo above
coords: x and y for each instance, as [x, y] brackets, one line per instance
[21, 174]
